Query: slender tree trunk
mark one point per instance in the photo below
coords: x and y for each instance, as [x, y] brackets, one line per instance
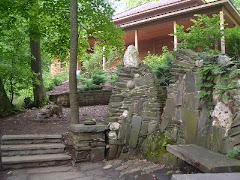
[5, 105]
[73, 63]
[36, 65]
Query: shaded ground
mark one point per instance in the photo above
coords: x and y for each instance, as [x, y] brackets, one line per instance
[29, 122]
[106, 170]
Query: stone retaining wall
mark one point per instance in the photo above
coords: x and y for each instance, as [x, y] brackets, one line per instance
[85, 98]
[186, 119]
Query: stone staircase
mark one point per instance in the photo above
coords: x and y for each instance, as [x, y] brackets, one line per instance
[22, 151]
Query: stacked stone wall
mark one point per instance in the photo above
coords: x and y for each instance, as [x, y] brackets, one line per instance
[186, 119]
[135, 106]
[85, 98]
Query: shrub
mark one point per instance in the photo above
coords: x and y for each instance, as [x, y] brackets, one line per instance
[98, 77]
[51, 82]
[95, 81]
[204, 34]
[233, 42]
[160, 65]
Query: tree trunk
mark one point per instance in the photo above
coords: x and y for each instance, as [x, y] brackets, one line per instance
[5, 105]
[73, 63]
[36, 65]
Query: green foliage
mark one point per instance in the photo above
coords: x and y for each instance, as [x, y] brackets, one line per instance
[94, 60]
[113, 78]
[234, 153]
[131, 3]
[204, 34]
[154, 147]
[51, 82]
[160, 65]
[233, 42]
[95, 81]
[226, 85]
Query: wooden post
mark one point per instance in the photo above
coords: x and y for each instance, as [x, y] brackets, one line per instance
[223, 49]
[104, 59]
[175, 36]
[136, 39]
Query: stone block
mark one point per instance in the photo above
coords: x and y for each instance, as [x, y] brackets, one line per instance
[116, 99]
[203, 117]
[83, 136]
[152, 126]
[164, 123]
[99, 137]
[190, 123]
[141, 81]
[128, 132]
[136, 123]
[179, 97]
[114, 126]
[144, 128]
[138, 106]
[170, 106]
[191, 101]
[97, 154]
[82, 155]
[112, 135]
[133, 141]
[97, 144]
[149, 78]
[190, 85]
[112, 152]
[81, 128]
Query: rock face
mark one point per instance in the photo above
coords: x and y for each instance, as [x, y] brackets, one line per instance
[222, 116]
[135, 105]
[131, 57]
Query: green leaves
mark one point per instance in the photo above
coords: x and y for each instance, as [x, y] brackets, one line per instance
[204, 34]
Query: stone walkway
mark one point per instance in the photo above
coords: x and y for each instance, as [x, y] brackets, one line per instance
[108, 170]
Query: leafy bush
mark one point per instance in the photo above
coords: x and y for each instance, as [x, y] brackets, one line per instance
[87, 84]
[51, 82]
[234, 153]
[160, 65]
[95, 81]
[233, 42]
[98, 77]
[204, 34]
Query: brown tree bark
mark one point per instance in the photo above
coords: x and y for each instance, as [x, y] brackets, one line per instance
[73, 63]
[36, 65]
[5, 105]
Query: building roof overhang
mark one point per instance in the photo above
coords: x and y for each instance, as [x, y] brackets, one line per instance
[225, 4]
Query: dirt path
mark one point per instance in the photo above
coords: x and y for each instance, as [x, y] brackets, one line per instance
[30, 122]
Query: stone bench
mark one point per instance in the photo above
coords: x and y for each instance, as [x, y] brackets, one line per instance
[203, 159]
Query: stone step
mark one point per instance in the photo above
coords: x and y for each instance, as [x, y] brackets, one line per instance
[18, 162]
[31, 149]
[205, 160]
[31, 139]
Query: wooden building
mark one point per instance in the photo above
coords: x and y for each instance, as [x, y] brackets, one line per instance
[148, 26]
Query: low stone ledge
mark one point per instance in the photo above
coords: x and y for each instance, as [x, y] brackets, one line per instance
[81, 128]
[85, 98]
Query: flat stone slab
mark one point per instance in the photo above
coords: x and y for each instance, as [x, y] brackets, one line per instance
[81, 128]
[212, 176]
[203, 159]
[30, 137]
[35, 158]
[32, 147]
